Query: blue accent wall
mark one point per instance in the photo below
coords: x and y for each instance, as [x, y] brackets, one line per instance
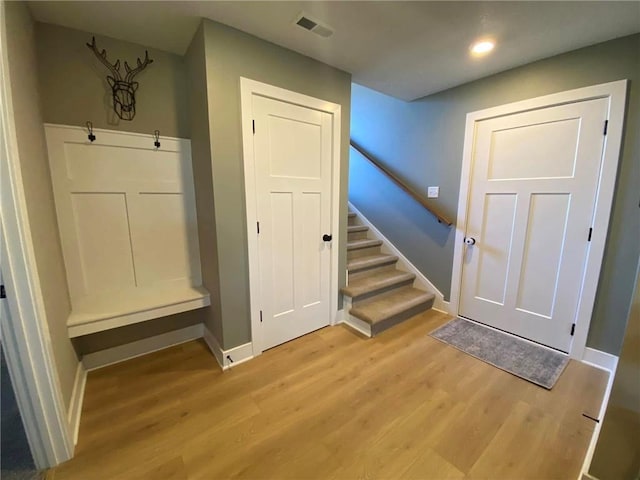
[396, 133]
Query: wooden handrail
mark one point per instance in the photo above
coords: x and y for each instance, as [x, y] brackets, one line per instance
[412, 193]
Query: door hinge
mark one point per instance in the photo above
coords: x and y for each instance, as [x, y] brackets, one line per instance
[3, 292]
[573, 329]
[590, 232]
[253, 122]
[258, 227]
[260, 316]
[606, 126]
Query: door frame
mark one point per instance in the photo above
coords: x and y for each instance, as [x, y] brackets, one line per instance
[26, 338]
[616, 92]
[248, 88]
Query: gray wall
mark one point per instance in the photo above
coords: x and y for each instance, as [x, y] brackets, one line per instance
[74, 86]
[138, 331]
[617, 454]
[422, 142]
[203, 178]
[231, 54]
[34, 163]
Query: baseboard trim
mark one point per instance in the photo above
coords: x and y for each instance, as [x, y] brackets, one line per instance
[135, 349]
[214, 346]
[358, 325]
[444, 307]
[604, 361]
[353, 322]
[77, 397]
[240, 354]
[404, 264]
[600, 359]
[228, 358]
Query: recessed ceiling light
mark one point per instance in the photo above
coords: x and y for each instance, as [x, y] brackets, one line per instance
[482, 47]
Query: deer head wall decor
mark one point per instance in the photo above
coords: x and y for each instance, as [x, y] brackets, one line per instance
[123, 89]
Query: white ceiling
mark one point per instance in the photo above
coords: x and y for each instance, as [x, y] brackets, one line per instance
[404, 49]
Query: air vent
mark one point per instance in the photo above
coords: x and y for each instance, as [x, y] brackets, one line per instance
[304, 21]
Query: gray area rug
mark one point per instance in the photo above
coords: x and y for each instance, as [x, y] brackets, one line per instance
[534, 363]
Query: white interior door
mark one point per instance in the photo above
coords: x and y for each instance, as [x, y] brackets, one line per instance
[293, 158]
[531, 203]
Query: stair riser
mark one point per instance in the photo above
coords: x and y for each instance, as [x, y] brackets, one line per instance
[362, 252]
[401, 317]
[354, 275]
[353, 271]
[356, 300]
[356, 236]
[351, 221]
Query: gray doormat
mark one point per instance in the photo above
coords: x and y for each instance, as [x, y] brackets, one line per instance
[534, 363]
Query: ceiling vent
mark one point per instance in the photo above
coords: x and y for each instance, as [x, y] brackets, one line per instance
[304, 21]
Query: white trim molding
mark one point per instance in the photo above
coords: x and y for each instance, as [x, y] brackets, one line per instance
[404, 264]
[604, 361]
[248, 88]
[25, 332]
[77, 397]
[599, 359]
[121, 353]
[354, 322]
[125, 139]
[616, 93]
[214, 346]
[228, 358]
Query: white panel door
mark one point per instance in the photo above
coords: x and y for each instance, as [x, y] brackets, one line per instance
[293, 158]
[533, 189]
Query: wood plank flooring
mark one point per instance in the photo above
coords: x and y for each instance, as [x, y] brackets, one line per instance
[332, 405]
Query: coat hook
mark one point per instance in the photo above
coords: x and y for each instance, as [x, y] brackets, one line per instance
[156, 135]
[91, 136]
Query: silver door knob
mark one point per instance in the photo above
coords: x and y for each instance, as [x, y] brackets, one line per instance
[469, 240]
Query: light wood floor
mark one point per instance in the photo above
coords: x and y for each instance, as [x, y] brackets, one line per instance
[332, 405]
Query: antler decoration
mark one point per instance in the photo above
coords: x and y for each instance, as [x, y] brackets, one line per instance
[132, 72]
[123, 89]
[102, 56]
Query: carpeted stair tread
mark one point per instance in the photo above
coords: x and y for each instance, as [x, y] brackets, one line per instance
[352, 215]
[376, 281]
[370, 261]
[365, 243]
[357, 228]
[387, 305]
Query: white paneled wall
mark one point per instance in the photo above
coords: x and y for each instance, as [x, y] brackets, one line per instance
[127, 220]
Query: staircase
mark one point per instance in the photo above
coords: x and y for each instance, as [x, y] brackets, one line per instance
[378, 295]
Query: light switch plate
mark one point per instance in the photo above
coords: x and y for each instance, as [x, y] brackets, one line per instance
[433, 192]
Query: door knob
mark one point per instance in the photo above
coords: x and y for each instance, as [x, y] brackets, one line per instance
[469, 240]
[326, 238]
